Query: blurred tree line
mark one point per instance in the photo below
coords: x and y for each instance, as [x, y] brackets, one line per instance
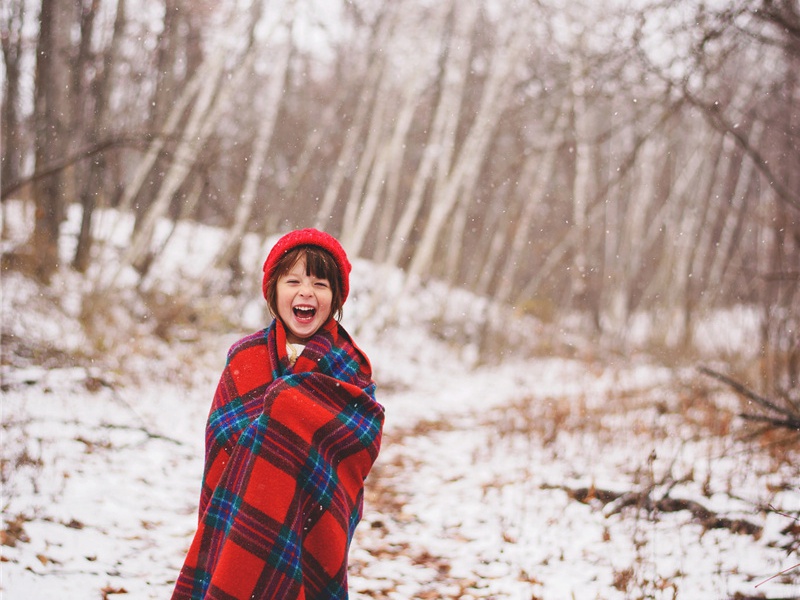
[591, 157]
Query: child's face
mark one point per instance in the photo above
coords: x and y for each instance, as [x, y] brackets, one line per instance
[303, 302]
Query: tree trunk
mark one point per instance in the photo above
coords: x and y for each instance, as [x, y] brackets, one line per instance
[95, 129]
[51, 116]
[166, 88]
[368, 159]
[460, 181]
[580, 187]
[441, 140]
[680, 226]
[197, 129]
[733, 218]
[346, 158]
[11, 37]
[536, 173]
[390, 152]
[272, 105]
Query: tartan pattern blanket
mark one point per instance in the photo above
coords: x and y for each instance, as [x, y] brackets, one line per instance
[287, 451]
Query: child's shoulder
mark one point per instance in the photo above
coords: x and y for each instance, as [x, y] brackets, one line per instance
[348, 345]
[257, 338]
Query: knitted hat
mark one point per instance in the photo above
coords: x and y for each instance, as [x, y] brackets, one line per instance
[309, 237]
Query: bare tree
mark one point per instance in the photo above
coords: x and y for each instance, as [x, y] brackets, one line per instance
[52, 130]
[96, 126]
[441, 139]
[347, 153]
[197, 129]
[12, 39]
[458, 182]
[533, 184]
[263, 137]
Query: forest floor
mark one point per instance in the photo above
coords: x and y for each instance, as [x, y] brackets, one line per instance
[545, 479]
[564, 473]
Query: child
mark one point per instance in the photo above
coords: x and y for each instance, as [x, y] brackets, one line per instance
[293, 431]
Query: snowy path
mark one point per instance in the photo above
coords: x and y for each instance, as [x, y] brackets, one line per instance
[467, 500]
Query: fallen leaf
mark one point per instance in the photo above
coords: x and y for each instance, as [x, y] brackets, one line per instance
[46, 560]
[108, 590]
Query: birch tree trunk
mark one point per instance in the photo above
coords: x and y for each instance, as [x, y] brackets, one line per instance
[441, 140]
[244, 208]
[710, 206]
[11, 41]
[733, 219]
[389, 153]
[680, 228]
[344, 164]
[453, 250]
[536, 173]
[321, 130]
[557, 254]
[145, 165]
[626, 243]
[459, 182]
[198, 127]
[499, 219]
[369, 158]
[580, 183]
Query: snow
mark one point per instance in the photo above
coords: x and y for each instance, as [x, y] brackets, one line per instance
[476, 491]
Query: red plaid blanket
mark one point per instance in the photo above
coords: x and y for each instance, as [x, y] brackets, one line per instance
[287, 452]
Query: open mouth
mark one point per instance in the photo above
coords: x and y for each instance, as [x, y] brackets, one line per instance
[304, 313]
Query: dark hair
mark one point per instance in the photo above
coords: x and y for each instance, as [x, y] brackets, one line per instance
[319, 263]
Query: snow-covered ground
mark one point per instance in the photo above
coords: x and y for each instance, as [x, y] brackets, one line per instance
[550, 476]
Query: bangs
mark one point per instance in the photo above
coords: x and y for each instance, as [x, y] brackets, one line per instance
[320, 264]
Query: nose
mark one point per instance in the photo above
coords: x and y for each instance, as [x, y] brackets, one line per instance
[306, 288]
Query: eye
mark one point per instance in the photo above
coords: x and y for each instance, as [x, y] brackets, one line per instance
[322, 283]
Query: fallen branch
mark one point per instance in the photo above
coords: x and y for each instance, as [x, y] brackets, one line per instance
[787, 419]
[707, 518]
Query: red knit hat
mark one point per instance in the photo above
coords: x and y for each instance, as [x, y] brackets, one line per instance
[309, 237]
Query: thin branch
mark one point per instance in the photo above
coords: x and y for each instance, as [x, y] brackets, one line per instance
[720, 123]
[71, 159]
[792, 419]
[788, 423]
[779, 574]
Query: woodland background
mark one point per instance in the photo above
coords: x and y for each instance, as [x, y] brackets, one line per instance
[572, 224]
[602, 161]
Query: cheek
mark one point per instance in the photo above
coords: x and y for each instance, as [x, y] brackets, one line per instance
[327, 301]
[282, 297]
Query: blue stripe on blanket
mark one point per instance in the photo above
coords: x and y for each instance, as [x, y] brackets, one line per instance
[222, 510]
[355, 517]
[285, 554]
[318, 479]
[339, 364]
[253, 436]
[228, 421]
[365, 426]
[334, 591]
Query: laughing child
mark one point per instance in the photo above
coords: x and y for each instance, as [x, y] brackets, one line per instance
[293, 431]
